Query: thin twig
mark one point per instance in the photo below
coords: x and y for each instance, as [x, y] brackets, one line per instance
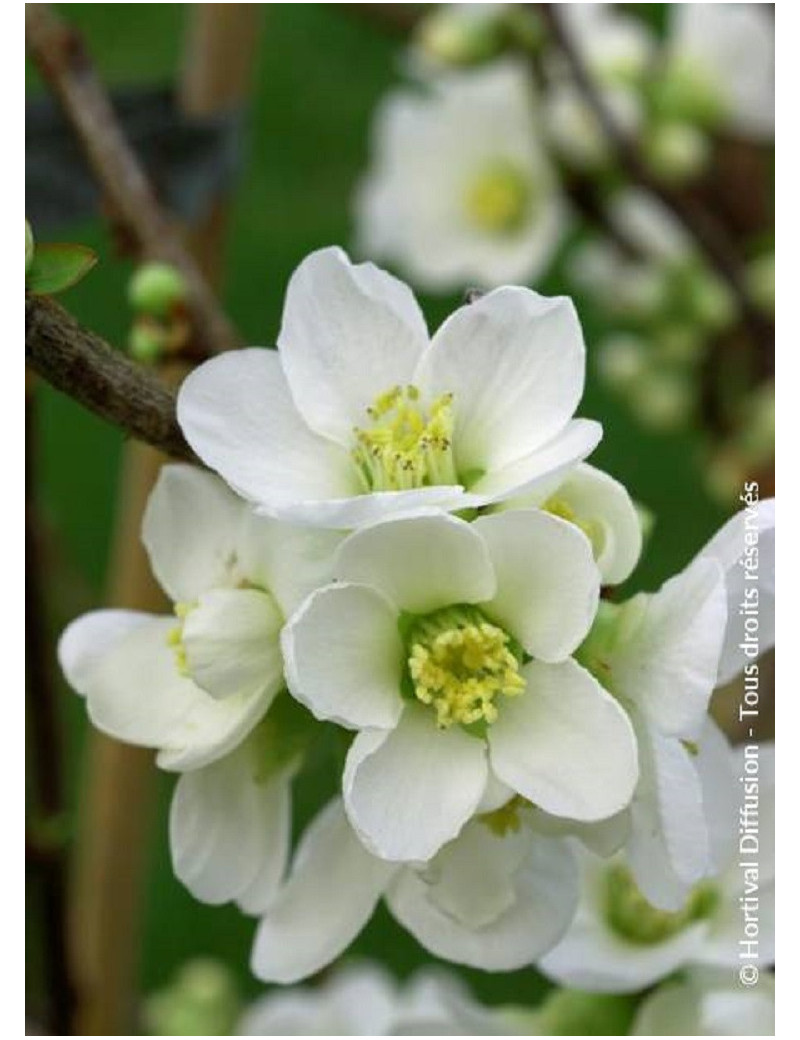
[134, 209]
[709, 237]
[43, 727]
[82, 365]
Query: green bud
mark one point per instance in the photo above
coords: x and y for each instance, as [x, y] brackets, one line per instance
[571, 1012]
[30, 247]
[662, 400]
[761, 281]
[621, 360]
[147, 341]
[202, 1000]
[454, 36]
[156, 289]
[711, 301]
[676, 152]
[687, 92]
[757, 439]
[679, 343]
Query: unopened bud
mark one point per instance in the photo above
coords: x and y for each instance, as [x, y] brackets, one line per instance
[147, 341]
[156, 289]
[687, 92]
[662, 401]
[676, 152]
[455, 36]
[761, 281]
[621, 360]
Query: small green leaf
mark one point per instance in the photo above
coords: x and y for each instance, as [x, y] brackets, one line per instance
[58, 266]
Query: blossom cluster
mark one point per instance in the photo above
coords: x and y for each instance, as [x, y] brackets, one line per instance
[403, 549]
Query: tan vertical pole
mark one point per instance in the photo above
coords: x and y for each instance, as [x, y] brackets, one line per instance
[116, 812]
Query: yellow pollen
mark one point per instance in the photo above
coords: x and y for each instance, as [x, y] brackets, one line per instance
[459, 663]
[175, 637]
[406, 445]
[499, 198]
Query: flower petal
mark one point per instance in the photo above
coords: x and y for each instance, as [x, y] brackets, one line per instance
[514, 361]
[420, 563]
[344, 657]
[349, 332]
[231, 642]
[135, 692]
[411, 790]
[668, 664]
[238, 415]
[548, 584]
[190, 529]
[565, 744]
[85, 641]
[228, 806]
[750, 532]
[331, 893]
[544, 897]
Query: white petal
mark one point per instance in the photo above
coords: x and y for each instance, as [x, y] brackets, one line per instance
[332, 892]
[721, 792]
[700, 1008]
[229, 830]
[565, 744]
[542, 468]
[749, 535]
[87, 639]
[190, 530]
[361, 509]
[349, 333]
[604, 838]
[437, 1003]
[545, 894]
[515, 362]
[593, 957]
[410, 791]
[231, 641]
[344, 656]
[668, 665]
[238, 415]
[135, 693]
[420, 563]
[606, 508]
[668, 849]
[548, 584]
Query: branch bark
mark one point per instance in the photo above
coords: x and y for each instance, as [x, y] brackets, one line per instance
[708, 235]
[132, 204]
[82, 365]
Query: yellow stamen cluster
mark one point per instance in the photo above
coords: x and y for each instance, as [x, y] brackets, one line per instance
[406, 446]
[631, 916]
[459, 663]
[175, 637]
[499, 198]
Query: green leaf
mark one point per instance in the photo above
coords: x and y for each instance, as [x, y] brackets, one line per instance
[58, 266]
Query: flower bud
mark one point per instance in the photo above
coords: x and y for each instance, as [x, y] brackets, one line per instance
[147, 341]
[687, 92]
[621, 360]
[676, 152]
[761, 281]
[454, 36]
[156, 289]
[200, 1001]
[662, 401]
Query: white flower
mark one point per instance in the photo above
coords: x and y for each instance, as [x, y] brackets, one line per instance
[361, 999]
[726, 52]
[708, 1003]
[745, 549]
[460, 191]
[447, 646]
[495, 898]
[620, 942]
[197, 685]
[602, 508]
[659, 655]
[359, 414]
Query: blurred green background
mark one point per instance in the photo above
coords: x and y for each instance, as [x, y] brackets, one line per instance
[320, 71]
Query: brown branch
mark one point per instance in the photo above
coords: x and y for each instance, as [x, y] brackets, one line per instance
[709, 236]
[82, 365]
[63, 62]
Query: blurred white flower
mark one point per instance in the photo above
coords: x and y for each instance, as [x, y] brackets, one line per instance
[360, 414]
[460, 191]
[196, 686]
[708, 1003]
[619, 942]
[721, 65]
[496, 897]
[447, 645]
[361, 999]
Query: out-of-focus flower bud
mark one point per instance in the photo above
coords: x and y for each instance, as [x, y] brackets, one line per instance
[201, 1001]
[761, 281]
[455, 35]
[662, 401]
[676, 152]
[156, 289]
[687, 92]
[679, 343]
[147, 341]
[621, 360]
[711, 301]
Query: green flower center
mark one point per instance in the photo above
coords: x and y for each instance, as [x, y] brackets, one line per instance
[406, 445]
[459, 663]
[631, 916]
[499, 198]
